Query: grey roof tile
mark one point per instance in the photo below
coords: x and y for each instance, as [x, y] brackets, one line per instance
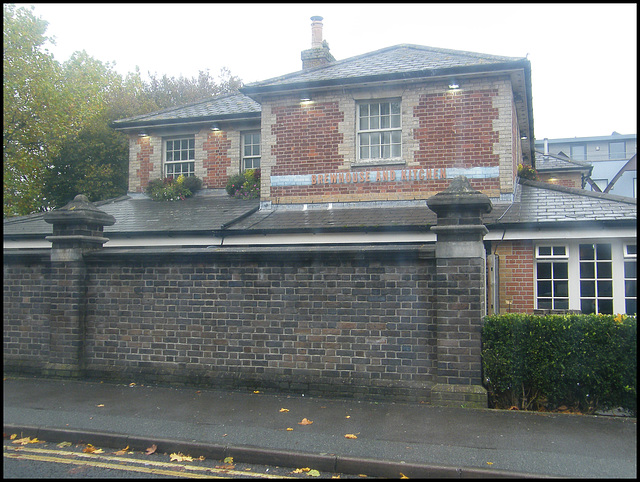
[203, 212]
[398, 59]
[210, 109]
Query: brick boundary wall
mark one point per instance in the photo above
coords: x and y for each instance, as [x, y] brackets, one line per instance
[377, 321]
[350, 323]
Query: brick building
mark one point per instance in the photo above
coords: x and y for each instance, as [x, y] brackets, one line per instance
[391, 219]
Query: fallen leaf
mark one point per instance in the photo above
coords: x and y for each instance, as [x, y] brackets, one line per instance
[289, 429]
[513, 407]
[305, 422]
[123, 451]
[348, 416]
[256, 391]
[284, 409]
[63, 444]
[362, 475]
[13, 436]
[226, 467]
[179, 457]
[26, 440]
[201, 457]
[248, 469]
[228, 460]
[489, 463]
[151, 450]
[303, 469]
[402, 476]
[132, 384]
[350, 435]
[101, 405]
[313, 473]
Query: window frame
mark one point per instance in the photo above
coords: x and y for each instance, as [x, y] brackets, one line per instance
[630, 282]
[391, 130]
[191, 163]
[554, 259]
[624, 150]
[252, 157]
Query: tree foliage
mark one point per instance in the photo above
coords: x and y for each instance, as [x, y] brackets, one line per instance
[56, 135]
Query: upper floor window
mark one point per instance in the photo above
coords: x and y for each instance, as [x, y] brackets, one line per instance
[251, 150]
[617, 150]
[379, 131]
[579, 152]
[179, 157]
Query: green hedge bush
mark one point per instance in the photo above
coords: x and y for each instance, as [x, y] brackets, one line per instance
[586, 362]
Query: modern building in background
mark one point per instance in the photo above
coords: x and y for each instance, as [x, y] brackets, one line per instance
[612, 157]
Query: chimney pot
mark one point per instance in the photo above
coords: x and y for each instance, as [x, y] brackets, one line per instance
[316, 32]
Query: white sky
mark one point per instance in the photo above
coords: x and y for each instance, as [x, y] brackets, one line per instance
[583, 56]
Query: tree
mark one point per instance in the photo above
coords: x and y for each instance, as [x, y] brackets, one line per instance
[57, 139]
[33, 121]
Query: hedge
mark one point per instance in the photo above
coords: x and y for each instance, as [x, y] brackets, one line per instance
[587, 362]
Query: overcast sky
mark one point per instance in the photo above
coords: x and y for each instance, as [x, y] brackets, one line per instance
[583, 56]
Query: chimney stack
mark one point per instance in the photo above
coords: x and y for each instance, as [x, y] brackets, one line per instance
[318, 55]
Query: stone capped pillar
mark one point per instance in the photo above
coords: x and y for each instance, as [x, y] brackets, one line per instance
[460, 294]
[77, 230]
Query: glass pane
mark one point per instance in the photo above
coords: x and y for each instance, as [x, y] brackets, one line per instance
[365, 139]
[364, 153]
[192, 154]
[559, 250]
[364, 123]
[587, 270]
[560, 288]
[396, 137]
[544, 251]
[544, 288]
[169, 156]
[374, 110]
[587, 306]
[384, 109]
[544, 270]
[384, 122]
[396, 150]
[560, 271]
[386, 138]
[603, 251]
[604, 270]
[605, 307]
[561, 304]
[631, 307]
[630, 288]
[374, 123]
[386, 152]
[605, 288]
[375, 139]
[247, 150]
[395, 121]
[395, 108]
[587, 288]
[586, 251]
[364, 110]
[544, 304]
[632, 249]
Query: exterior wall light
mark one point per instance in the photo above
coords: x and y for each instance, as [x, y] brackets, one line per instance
[453, 85]
[215, 127]
[305, 99]
[143, 134]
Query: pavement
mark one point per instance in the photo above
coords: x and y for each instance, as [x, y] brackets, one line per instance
[415, 439]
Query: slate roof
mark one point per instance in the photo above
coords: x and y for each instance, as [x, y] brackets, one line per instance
[536, 203]
[203, 212]
[401, 61]
[551, 162]
[216, 108]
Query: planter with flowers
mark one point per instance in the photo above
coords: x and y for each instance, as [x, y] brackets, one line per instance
[245, 185]
[173, 188]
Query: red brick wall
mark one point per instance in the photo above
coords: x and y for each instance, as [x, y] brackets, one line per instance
[516, 276]
[454, 131]
[218, 160]
[144, 156]
[456, 128]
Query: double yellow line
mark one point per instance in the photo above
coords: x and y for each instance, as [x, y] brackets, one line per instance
[151, 467]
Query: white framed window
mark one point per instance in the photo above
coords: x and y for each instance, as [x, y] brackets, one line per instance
[179, 157]
[250, 150]
[630, 279]
[591, 276]
[596, 278]
[552, 277]
[379, 130]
